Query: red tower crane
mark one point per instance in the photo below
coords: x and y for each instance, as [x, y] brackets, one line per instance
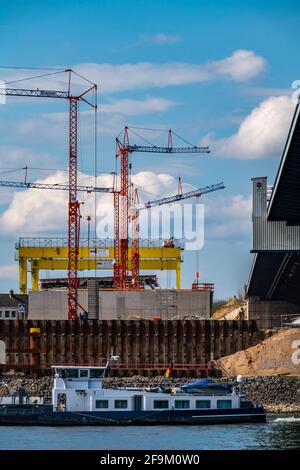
[122, 204]
[73, 204]
[135, 242]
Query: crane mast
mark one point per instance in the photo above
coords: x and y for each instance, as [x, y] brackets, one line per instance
[121, 206]
[73, 211]
[73, 204]
[135, 247]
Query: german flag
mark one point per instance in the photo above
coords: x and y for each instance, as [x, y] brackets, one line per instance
[169, 370]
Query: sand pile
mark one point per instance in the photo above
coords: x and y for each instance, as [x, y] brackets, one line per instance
[231, 307]
[276, 355]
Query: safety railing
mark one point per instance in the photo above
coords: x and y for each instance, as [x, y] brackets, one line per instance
[61, 242]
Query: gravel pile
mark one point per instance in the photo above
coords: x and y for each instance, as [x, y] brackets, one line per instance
[34, 387]
[140, 381]
[277, 394]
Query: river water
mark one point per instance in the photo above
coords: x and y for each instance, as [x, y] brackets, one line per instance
[280, 432]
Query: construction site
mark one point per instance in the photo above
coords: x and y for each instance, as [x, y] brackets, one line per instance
[149, 232]
[118, 304]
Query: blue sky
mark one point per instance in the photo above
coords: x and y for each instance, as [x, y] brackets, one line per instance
[216, 72]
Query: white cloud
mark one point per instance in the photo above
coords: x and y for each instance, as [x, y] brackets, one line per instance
[160, 38]
[261, 134]
[34, 211]
[241, 66]
[14, 156]
[53, 127]
[125, 107]
[13, 160]
[44, 212]
[129, 107]
[8, 272]
[229, 217]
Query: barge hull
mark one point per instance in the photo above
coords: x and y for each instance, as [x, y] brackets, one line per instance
[126, 418]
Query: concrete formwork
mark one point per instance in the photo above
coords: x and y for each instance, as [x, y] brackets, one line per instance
[124, 305]
[52, 305]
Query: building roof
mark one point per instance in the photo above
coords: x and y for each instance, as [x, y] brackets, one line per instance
[285, 199]
[7, 301]
[276, 275]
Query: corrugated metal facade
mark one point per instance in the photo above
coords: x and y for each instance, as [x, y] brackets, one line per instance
[267, 235]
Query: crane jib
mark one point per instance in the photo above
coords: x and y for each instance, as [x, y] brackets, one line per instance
[155, 149]
[58, 187]
[34, 93]
[179, 197]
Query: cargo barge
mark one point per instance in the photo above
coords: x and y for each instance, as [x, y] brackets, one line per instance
[79, 399]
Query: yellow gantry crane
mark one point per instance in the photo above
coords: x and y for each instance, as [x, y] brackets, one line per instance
[35, 254]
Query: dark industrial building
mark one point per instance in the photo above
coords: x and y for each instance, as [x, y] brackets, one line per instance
[274, 285]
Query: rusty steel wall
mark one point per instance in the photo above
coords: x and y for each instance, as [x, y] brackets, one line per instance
[145, 347]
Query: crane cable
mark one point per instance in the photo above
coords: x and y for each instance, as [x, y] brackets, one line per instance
[157, 130]
[33, 77]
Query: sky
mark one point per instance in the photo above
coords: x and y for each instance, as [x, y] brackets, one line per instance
[218, 73]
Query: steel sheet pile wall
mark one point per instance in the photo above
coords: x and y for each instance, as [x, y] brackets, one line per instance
[145, 347]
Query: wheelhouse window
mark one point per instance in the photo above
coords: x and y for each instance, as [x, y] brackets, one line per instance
[246, 404]
[96, 373]
[160, 404]
[7, 313]
[101, 404]
[180, 404]
[83, 373]
[71, 373]
[121, 404]
[224, 404]
[202, 403]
